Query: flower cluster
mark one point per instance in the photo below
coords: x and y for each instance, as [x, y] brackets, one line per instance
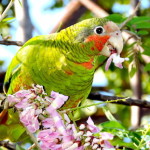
[58, 131]
[29, 103]
[69, 137]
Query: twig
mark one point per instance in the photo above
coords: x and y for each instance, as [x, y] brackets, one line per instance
[17, 43]
[97, 10]
[8, 145]
[31, 147]
[132, 34]
[131, 16]
[6, 10]
[129, 101]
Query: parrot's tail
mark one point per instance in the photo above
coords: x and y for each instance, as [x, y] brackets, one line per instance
[3, 116]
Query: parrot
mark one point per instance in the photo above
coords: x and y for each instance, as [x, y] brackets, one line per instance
[65, 61]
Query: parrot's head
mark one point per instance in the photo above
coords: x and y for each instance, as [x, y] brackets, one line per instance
[104, 34]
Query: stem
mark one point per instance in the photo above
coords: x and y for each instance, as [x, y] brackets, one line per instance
[142, 140]
[95, 104]
[6, 10]
[131, 16]
[31, 147]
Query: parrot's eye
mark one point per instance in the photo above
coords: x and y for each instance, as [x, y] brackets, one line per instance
[99, 30]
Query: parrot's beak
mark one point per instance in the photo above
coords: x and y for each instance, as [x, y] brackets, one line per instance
[114, 44]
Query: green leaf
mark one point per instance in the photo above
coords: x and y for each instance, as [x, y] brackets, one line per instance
[146, 50]
[8, 19]
[116, 18]
[139, 23]
[143, 32]
[142, 25]
[15, 131]
[19, 147]
[112, 125]
[136, 20]
[119, 142]
[147, 67]
[3, 132]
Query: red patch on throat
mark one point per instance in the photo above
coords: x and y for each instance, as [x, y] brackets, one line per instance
[99, 41]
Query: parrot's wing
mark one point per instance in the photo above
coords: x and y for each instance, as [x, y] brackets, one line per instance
[12, 71]
[31, 57]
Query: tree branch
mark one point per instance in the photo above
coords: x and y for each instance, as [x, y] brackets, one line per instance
[97, 10]
[17, 43]
[101, 97]
[128, 101]
[8, 145]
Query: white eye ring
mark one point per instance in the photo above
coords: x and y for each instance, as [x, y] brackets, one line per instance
[99, 30]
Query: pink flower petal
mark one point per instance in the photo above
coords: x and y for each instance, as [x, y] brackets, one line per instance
[22, 93]
[48, 122]
[13, 99]
[106, 136]
[34, 126]
[109, 60]
[119, 65]
[93, 128]
[23, 104]
[59, 100]
[107, 145]
[28, 118]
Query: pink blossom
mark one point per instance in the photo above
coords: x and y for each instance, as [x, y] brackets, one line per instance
[28, 118]
[93, 128]
[22, 93]
[80, 148]
[13, 99]
[23, 104]
[49, 140]
[58, 122]
[106, 136]
[48, 122]
[107, 146]
[59, 100]
[117, 60]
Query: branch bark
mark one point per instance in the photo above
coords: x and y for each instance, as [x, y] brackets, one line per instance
[17, 43]
[8, 145]
[101, 97]
[97, 10]
[128, 101]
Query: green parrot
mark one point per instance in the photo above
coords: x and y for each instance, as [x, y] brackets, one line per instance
[64, 62]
